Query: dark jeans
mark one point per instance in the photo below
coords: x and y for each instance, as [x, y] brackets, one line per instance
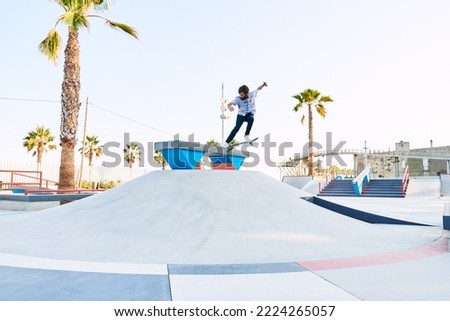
[239, 121]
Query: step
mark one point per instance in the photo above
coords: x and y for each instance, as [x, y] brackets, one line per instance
[363, 195]
[374, 188]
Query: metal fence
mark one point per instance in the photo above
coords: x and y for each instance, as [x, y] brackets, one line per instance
[50, 172]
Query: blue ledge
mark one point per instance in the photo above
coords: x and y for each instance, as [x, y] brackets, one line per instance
[43, 197]
[446, 222]
[187, 155]
[180, 154]
[226, 161]
[360, 215]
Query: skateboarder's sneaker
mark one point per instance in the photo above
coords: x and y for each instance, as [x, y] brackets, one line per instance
[248, 139]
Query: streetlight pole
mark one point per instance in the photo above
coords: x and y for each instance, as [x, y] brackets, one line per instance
[80, 177]
[365, 154]
[223, 116]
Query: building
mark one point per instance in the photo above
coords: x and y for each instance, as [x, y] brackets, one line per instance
[428, 161]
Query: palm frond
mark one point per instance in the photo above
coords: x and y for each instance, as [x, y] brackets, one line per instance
[75, 19]
[51, 45]
[75, 5]
[325, 99]
[101, 5]
[125, 28]
[298, 106]
[299, 97]
[64, 3]
[310, 95]
[300, 102]
[321, 110]
[303, 119]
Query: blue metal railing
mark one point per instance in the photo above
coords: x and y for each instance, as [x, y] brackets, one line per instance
[362, 178]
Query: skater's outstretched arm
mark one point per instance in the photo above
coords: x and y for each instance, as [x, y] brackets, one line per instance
[264, 84]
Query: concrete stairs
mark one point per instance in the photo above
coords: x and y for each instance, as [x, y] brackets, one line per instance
[374, 188]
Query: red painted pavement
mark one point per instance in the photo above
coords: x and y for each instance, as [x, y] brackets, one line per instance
[437, 247]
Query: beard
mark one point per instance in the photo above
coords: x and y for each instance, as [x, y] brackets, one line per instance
[244, 98]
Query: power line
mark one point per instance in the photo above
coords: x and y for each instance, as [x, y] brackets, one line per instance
[95, 105]
[32, 100]
[132, 120]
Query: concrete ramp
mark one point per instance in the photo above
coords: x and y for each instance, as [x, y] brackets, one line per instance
[445, 185]
[195, 217]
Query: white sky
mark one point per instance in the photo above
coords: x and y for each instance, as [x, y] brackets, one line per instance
[385, 63]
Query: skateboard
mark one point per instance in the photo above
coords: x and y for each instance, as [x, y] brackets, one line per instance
[230, 147]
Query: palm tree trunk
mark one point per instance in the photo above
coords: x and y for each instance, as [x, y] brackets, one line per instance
[66, 167]
[90, 174]
[90, 166]
[70, 107]
[40, 151]
[310, 142]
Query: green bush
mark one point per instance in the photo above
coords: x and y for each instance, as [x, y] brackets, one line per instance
[100, 185]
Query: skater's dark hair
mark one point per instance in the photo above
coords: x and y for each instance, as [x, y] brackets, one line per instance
[243, 89]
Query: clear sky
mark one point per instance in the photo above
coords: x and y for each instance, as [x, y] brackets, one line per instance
[386, 63]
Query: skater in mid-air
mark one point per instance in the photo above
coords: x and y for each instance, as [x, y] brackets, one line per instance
[246, 111]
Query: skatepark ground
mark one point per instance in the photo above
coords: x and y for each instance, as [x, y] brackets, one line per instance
[225, 236]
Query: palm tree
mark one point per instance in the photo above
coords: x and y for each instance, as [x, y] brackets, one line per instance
[90, 150]
[40, 141]
[76, 16]
[159, 159]
[212, 142]
[312, 99]
[132, 154]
